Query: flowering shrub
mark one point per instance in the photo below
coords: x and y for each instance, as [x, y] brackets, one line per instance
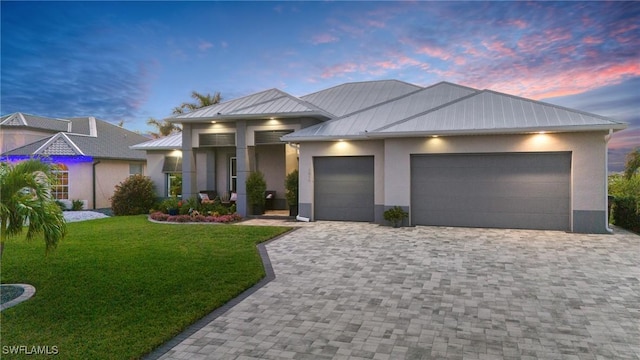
[159, 216]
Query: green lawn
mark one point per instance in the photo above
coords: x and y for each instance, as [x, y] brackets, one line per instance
[117, 288]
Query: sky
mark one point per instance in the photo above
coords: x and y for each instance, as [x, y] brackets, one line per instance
[129, 61]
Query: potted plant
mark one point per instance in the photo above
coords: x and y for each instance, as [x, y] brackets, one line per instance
[291, 192]
[395, 215]
[172, 205]
[256, 186]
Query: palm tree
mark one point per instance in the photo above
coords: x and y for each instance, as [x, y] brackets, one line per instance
[633, 163]
[25, 196]
[165, 128]
[201, 101]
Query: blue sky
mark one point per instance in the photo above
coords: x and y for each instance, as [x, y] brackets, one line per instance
[134, 60]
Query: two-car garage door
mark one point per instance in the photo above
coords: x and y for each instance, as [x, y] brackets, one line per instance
[505, 190]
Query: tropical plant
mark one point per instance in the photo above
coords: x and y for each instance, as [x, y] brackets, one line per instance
[633, 163]
[133, 196]
[395, 215]
[164, 128]
[202, 100]
[25, 197]
[256, 186]
[77, 205]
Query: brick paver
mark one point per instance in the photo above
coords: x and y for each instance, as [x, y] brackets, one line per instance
[363, 291]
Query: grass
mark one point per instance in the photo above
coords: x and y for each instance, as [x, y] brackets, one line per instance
[117, 288]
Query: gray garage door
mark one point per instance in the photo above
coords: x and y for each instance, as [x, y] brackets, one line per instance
[513, 190]
[343, 188]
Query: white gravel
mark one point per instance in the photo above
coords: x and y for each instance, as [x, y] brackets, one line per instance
[72, 216]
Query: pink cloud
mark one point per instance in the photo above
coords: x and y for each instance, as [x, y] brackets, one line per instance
[540, 83]
[434, 52]
[625, 139]
[323, 39]
[590, 40]
[340, 69]
[518, 23]
[498, 47]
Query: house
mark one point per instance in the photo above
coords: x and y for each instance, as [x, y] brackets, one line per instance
[449, 155]
[92, 156]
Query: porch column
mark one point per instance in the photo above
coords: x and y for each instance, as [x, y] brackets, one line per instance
[188, 163]
[243, 164]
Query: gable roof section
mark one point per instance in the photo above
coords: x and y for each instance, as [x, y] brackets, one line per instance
[36, 122]
[269, 102]
[359, 124]
[351, 97]
[492, 112]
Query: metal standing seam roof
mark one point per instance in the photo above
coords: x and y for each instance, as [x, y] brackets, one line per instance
[170, 142]
[351, 97]
[268, 102]
[492, 112]
[391, 111]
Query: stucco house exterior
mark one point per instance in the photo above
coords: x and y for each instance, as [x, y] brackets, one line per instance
[92, 155]
[449, 155]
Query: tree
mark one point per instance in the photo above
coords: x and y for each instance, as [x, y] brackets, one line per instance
[201, 101]
[633, 163]
[25, 195]
[164, 128]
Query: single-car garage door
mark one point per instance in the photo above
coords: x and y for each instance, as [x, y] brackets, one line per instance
[343, 188]
[506, 190]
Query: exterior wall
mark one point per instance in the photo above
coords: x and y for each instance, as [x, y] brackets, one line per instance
[109, 173]
[155, 162]
[588, 167]
[392, 167]
[271, 161]
[11, 138]
[340, 148]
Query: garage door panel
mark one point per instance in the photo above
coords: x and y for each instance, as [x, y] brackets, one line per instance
[492, 190]
[506, 220]
[344, 188]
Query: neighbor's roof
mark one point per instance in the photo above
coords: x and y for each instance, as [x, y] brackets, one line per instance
[98, 139]
[35, 122]
[267, 103]
[492, 112]
[170, 142]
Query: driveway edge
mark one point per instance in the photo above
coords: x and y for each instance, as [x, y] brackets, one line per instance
[193, 328]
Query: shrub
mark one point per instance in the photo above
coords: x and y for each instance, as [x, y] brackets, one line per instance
[133, 196]
[256, 186]
[77, 205]
[626, 213]
[291, 186]
[395, 215]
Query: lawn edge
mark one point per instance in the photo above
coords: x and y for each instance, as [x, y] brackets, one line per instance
[205, 320]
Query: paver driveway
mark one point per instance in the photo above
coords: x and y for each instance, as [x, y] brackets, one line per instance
[362, 291]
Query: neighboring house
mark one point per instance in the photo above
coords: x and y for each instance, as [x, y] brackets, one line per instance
[449, 155]
[92, 156]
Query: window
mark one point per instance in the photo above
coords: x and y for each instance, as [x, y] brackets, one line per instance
[174, 184]
[135, 169]
[233, 174]
[60, 187]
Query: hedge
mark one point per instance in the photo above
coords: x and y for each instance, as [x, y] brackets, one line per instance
[626, 213]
